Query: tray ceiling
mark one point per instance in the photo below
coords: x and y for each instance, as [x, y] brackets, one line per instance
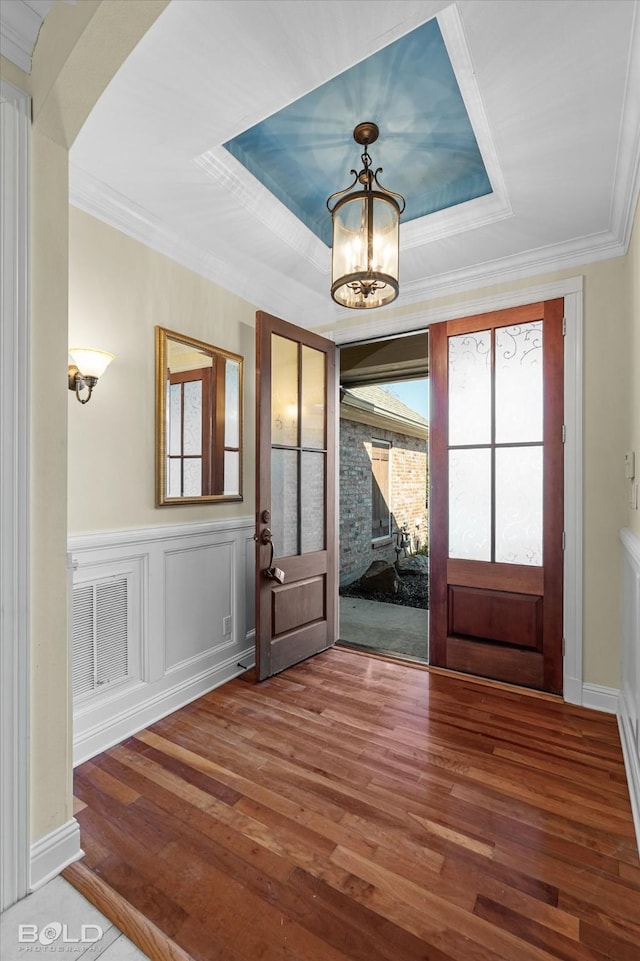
[533, 106]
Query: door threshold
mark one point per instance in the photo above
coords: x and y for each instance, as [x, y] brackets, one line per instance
[395, 656]
[409, 661]
[500, 685]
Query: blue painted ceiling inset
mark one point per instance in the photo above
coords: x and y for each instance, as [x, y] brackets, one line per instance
[427, 147]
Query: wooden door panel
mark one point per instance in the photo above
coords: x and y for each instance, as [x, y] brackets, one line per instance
[498, 616]
[295, 605]
[295, 480]
[524, 668]
[488, 616]
[299, 644]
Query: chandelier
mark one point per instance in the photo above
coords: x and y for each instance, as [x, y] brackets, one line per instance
[366, 234]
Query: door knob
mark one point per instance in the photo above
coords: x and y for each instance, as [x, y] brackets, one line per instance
[265, 536]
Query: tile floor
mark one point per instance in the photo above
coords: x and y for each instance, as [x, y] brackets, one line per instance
[56, 921]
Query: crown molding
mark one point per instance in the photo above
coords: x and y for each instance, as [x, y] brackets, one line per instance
[227, 172]
[255, 281]
[20, 23]
[286, 297]
[626, 186]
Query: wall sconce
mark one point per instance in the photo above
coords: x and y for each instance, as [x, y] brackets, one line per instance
[88, 366]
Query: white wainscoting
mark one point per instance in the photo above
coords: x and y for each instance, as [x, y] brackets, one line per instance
[191, 620]
[629, 700]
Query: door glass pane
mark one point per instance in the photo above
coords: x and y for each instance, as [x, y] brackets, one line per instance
[470, 388]
[284, 502]
[519, 505]
[174, 441]
[284, 391]
[231, 404]
[470, 504]
[193, 417]
[312, 496]
[519, 394]
[313, 397]
[231, 472]
[192, 473]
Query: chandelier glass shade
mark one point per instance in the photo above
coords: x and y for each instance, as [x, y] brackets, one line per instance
[366, 235]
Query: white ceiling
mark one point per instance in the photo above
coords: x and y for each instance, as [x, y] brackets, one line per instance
[552, 90]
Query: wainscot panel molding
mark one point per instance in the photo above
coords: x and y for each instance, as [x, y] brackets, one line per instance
[54, 852]
[189, 621]
[629, 700]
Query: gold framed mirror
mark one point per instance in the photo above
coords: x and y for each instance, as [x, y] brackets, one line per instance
[198, 421]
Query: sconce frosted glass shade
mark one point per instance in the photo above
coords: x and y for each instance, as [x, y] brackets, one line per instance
[366, 238]
[90, 363]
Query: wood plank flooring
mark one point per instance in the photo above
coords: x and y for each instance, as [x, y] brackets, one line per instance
[356, 809]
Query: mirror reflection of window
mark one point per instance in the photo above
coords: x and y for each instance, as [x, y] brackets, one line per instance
[189, 433]
[199, 439]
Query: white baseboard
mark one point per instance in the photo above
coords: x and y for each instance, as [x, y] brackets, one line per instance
[631, 763]
[128, 722]
[572, 690]
[54, 852]
[600, 698]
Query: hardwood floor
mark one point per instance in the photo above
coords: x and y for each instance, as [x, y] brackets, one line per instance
[354, 809]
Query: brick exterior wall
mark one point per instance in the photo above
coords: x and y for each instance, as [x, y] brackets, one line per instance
[408, 458]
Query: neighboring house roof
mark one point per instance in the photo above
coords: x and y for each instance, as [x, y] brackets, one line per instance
[373, 405]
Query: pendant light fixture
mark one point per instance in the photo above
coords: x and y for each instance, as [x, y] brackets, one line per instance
[366, 235]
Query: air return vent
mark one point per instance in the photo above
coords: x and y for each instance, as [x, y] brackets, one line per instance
[100, 633]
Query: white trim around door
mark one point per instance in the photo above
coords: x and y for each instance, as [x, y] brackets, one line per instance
[15, 124]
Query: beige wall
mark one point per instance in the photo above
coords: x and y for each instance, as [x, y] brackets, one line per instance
[606, 405]
[119, 290]
[633, 351]
[50, 695]
[13, 74]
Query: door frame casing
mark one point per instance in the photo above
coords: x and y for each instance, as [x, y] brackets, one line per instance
[14, 498]
[571, 289]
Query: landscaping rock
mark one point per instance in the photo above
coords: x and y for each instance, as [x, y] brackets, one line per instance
[415, 564]
[413, 592]
[380, 578]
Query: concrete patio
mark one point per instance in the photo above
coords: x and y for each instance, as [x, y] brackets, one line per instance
[384, 627]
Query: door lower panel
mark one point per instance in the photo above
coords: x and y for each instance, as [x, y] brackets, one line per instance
[504, 664]
[294, 605]
[498, 616]
[299, 644]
